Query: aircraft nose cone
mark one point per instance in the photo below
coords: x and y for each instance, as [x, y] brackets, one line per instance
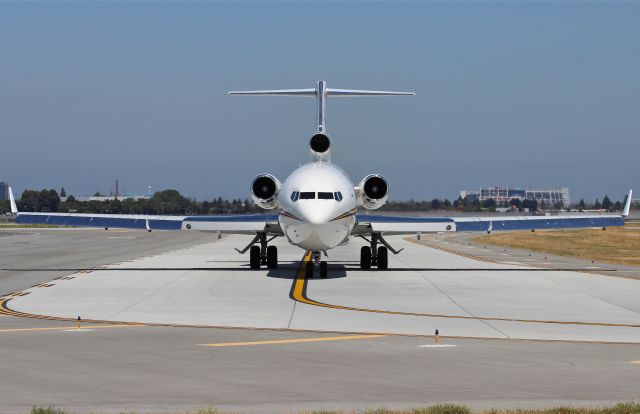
[316, 213]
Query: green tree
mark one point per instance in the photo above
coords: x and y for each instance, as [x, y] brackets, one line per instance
[606, 203]
[489, 203]
[597, 205]
[581, 205]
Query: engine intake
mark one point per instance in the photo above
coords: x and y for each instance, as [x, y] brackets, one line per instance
[373, 191]
[320, 144]
[264, 191]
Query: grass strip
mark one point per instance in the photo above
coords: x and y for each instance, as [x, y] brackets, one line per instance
[613, 245]
[621, 408]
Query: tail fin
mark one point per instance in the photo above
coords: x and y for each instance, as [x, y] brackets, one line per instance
[627, 204]
[12, 201]
[321, 92]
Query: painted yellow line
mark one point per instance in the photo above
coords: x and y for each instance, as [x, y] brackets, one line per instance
[64, 328]
[299, 294]
[635, 362]
[295, 341]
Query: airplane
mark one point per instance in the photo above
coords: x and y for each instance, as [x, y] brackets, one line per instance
[317, 207]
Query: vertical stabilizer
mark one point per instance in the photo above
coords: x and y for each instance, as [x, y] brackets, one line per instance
[627, 204]
[12, 201]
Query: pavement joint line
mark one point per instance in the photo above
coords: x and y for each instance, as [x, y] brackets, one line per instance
[295, 340]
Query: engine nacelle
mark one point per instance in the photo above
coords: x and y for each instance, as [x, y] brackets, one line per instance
[320, 146]
[264, 191]
[372, 191]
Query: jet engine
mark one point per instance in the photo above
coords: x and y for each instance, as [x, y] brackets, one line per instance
[320, 145]
[264, 191]
[372, 191]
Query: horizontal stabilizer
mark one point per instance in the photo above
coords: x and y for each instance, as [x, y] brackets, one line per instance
[356, 92]
[278, 92]
[321, 92]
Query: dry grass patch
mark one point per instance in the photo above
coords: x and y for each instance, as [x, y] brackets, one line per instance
[622, 408]
[612, 245]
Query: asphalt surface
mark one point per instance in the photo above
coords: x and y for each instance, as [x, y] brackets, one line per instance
[31, 256]
[110, 367]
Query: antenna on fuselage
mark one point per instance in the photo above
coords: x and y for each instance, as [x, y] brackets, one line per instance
[321, 93]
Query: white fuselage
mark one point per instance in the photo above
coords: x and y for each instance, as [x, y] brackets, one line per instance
[317, 206]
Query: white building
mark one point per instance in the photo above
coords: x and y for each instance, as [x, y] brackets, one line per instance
[547, 196]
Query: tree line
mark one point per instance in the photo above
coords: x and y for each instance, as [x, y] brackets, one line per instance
[171, 202]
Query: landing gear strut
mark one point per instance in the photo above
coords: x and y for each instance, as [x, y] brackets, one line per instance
[316, 264]
[373, 255]
[263, 254]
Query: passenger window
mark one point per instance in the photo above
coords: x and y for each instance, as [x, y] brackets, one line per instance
[305, 195]
[325, 196]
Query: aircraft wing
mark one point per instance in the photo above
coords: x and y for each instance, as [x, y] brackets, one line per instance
[367, 224]
[239, 224]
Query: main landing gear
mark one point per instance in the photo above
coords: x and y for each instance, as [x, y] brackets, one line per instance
[373, 255]
[263, 254]
[316, 264]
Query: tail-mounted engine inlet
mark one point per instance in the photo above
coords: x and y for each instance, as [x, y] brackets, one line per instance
[320, 145]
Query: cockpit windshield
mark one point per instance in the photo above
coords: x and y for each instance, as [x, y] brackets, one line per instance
[321, 195]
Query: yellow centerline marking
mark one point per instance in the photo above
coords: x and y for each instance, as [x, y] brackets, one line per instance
[295, 341]
[635, 362]
[64, 328]
[299, 294]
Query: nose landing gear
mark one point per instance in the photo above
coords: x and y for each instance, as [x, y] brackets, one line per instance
[316, 264]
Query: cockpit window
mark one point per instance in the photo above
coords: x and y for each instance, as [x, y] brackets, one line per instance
[307, 195]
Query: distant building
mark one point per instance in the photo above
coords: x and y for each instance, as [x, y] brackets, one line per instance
[549, 196]
[106, 198]
[4, 190]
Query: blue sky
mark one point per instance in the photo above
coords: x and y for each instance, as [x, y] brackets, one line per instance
[508, 93]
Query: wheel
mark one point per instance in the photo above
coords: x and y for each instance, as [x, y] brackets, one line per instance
[323, 270]
[309, 270]
[254, 257]
[272, 257]
[383, 258]
[365, 257]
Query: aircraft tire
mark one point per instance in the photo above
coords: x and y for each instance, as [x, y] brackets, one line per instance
[365, 257]
[383, 258]
[254, 257]
[309, 270]
[323, 270]
[272, 257]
